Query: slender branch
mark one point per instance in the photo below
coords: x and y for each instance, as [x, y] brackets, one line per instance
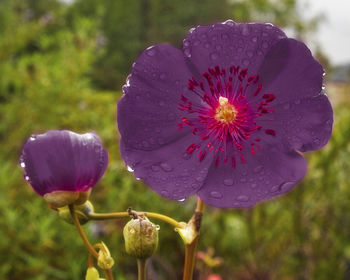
[88, 245]
[190, 250]
[81, 232]
[118, 215]
[141, 269]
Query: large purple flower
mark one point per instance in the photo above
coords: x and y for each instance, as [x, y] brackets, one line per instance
[227, 117]
[62, 166]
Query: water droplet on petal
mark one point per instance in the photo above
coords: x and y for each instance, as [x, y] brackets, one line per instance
[23, 164]
[258, 169]
[228, 182]
[26, 178]
[187, 52]
[150, 51]
[274, 188]
[157, 227]
[32, 138]
[166, 167]
[214, 56]
[229, 22]
[254, 39]
[286, 186]
[243, 198]
[162, 76]
[286, 106]
[181, 200]
[164, 193]
[216, 194]
[129, 168]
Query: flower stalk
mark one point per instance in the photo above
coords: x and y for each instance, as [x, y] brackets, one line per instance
[119, 215]
[87, 243]
[191, 248]
[141, 269]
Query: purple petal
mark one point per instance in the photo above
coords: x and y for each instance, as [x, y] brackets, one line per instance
[230, 43]
[265, 175]
[147, 114]
[61, 160]
[169, 170]
[290, 72]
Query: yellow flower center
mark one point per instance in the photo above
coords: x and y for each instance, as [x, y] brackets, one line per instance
[225, 112]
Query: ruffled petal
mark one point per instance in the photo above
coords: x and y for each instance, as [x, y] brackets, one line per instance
[230, 43]
[63, 161]
[147, 114]
[170, 170]
[265, 175]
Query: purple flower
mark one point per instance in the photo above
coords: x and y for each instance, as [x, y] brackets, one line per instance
[62, 166]
[226, 117]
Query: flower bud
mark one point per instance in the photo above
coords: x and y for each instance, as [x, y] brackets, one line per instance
[104, 259]
[82, 211]
[141, 237]
[92, 274]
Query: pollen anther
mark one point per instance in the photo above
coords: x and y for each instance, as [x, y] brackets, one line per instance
[225, 112]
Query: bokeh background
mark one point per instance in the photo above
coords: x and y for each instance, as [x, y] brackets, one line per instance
[62, 65]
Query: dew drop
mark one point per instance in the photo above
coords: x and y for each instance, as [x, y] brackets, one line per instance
[187, 52]
[207, 45]
[160, 141]
[129, 168]
[216, 194]
[245, 30]
[258, 169]
[286, 186]
[229, 22]
[186, 42]
[243, 198]
[157, 227]
[228, 182]
[32, 138]
[138, 179]
[164, 193]
[245, 62]
[214, 56]
[26, 178]
[23, 164]
[254, 39]
[151, 51]
[181, 200]
[274, 188]
[145, 144]
[265, 45]
[166, 167]
[286, 106]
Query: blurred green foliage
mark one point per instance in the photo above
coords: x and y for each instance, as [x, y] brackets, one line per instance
[62, 66]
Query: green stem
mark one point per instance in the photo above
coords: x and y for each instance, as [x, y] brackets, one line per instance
[81, 232]
[88, 245]
[118, 215]
[141, 269]
[190, 250]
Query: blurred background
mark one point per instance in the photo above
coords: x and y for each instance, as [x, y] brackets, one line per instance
[62, 65]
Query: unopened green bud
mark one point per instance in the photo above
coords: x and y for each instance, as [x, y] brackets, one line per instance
[82, 211]
[104, 260]
[141, 238]
[92, 274]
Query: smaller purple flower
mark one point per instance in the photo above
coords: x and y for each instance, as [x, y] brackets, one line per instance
[63, 166]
